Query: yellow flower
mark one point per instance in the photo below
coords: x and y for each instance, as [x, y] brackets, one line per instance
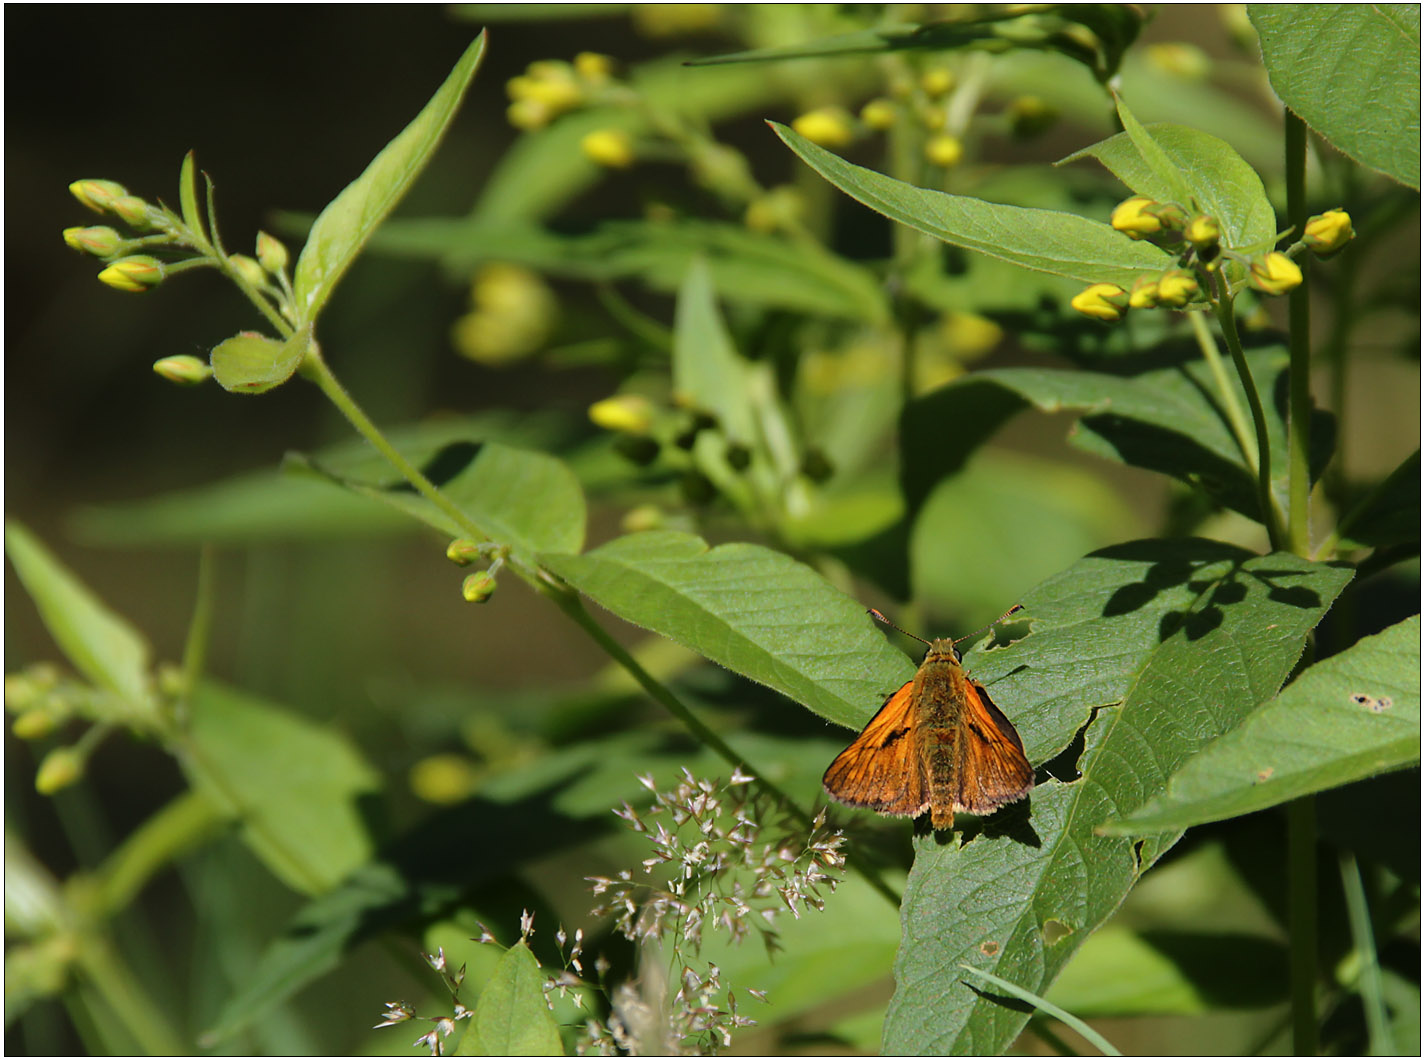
[1102, 301]
[629, 413]
[827, 126]
[1131, 218]
[593, 67]
[612, 148]
[1274, 273]
[879, 114]
[1176, 288]
[134, 274]
[937, 82]
[1327, 233]
[1202, 231]
[943, 149]
[970, 335]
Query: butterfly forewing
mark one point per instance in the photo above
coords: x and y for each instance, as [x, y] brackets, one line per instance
[882, 770]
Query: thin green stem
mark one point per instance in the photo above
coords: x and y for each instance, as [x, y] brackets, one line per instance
[130, 1004]
[1299, 392]
[195, 645]
[574, 608]
[1227, 394]
[315, 367]
[1228, 325]
[1359, 917]
[1302, 922]
[185, 822]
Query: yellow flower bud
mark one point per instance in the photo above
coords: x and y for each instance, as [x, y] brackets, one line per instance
[1176, 288]
[478, 588]
[1327, 233]
[594, 67]
[613, 148]
[969, 334]
[183, 369]
[443, 779]
[643, 517]
[1274, 273]
[558, 94]
[933, 118]
[1029, 116]
[528, 114]
[134, 274]
[1202, 231]
[780, 208]
[1179, 60]
[827, 126]
[630, 413]
[271, 253]
[133, 211]
[1133, 219]
[100, 240]
[1144, 294]
[60, 768]
[34, 724]
[97, 194]
[879, 114]
[937, 82]
[943, 149]
[249, 269]
[1170, 214]
[463, 551]
[1102, 301]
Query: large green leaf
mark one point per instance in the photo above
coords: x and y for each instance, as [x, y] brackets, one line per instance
[1215, 176]
[1346, 718]
[756, 611]
[293, 785]
[99, 643]
[250, 363]
[1164, 646]
[1063, 244]
[511, 1017]
[1353, 73]
[348, 221]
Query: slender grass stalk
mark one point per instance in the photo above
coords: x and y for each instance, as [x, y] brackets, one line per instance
[131, 1006]
[1050, 1009]
[1299, 395]
[1247, 444]
[1302, 923]
[1359, 917]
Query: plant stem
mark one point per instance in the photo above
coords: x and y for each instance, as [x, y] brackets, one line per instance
[130, 1005]
[1302, 922]
[1228, 324]
[315, 368]
[1231, 408]
[574, 607]
[1359, 916]
[1299, 396]
[186, 821]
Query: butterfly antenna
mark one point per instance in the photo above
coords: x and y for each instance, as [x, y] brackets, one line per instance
[887, 622]
[982, 629]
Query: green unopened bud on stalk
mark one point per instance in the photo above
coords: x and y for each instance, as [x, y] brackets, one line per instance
[34, 724]
[1274, 273]
[248, 269]
[98, 195]
[1327, 233]
[133, 211]
[133, 274]
[183, 369]
[271, 253]
[478, 588]
[1102, 301]
[60, 768]
[463, 551]
[99, 240]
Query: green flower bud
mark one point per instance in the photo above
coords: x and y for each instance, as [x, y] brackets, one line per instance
[1102, 301]
[248, 269]
[183, 369]
[478, 588]
[1274, 273]
[97, 194]
[1327, 233]
[34, 724]
[463, 551]
[271, 253]
[133, 211]
[1133, 219]
[100, 240]
[60, 768]
[1176, 288]
[133, 274]
[643, 517]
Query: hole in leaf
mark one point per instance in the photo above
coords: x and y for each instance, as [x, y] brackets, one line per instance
[1056, 931]
[989, 948]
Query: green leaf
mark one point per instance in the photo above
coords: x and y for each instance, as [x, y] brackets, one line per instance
[1063, 244]
[1161, 647]
[1205, 170]
[1391, 514]
[188, 196]
[249, 363]
[753, 610]
[708, 373]
[1346, 718]
[1353, 73]
[529, 501]
[511, 1018]
[348, 221]
[99, 643]
[292, 784]
[1166, 174]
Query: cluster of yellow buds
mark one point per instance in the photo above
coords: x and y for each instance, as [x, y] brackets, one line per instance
[550, 87]
[479, 587]
[514, 315]
[41, 700]
[134, 273]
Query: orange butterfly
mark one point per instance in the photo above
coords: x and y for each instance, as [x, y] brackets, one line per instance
[938, 743]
